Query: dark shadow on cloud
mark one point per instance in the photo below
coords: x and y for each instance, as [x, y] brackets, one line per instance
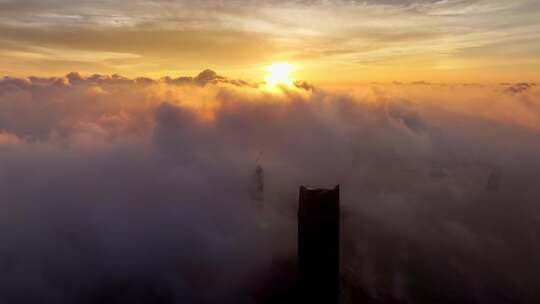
[207, 77]
[519, 87]
[302, 84]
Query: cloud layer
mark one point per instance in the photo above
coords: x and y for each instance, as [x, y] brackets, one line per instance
[117, 190]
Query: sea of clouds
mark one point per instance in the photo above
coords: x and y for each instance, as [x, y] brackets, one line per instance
[116, 190]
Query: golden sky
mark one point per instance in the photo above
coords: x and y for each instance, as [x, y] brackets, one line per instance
[328, 41]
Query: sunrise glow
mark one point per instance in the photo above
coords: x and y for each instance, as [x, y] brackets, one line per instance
[279, 74]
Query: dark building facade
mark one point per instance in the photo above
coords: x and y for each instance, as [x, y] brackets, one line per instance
[318, 245]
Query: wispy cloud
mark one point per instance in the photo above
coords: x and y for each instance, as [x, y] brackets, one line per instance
[179, 35]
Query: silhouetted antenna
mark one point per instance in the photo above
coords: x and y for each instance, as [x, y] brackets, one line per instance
[257, 183]
[259, 157]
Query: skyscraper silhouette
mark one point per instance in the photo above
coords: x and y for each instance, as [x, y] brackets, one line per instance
[318, 245]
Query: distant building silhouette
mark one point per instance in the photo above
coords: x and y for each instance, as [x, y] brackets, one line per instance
[257, 187]
[494, 180]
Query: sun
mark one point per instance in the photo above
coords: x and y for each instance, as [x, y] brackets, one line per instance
[279, 74]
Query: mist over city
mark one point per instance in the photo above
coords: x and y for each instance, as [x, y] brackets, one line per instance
[269, 152]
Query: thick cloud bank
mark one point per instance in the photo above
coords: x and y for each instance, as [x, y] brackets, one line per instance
[118, 190]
